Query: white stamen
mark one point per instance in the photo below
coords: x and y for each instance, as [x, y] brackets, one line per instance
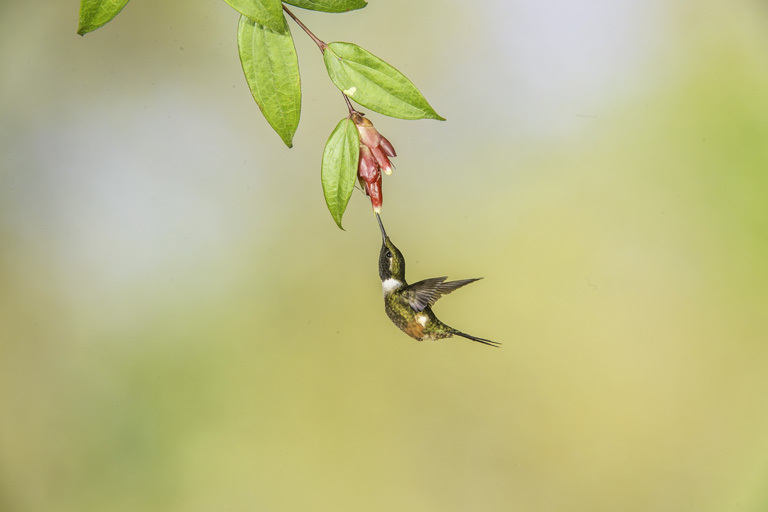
[389, 285]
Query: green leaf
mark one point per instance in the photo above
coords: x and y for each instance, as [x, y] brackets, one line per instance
[329, 5]
[95, 13]
[339, 168]
[374, 84]
[268, 13]
[272, 71]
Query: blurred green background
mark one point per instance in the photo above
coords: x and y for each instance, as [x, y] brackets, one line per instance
[184, 328]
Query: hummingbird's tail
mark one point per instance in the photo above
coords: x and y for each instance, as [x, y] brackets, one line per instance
[475, 338]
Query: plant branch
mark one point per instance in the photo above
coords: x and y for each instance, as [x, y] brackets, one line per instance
[320, 44]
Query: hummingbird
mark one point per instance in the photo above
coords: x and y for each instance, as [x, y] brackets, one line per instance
[409, 306]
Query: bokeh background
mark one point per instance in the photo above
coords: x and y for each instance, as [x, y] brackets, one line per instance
[184, 328]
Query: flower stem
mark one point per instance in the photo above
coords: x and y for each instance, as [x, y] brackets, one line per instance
[317, 41]
[352, 110]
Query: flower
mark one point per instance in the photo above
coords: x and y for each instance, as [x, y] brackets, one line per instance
[375, 152]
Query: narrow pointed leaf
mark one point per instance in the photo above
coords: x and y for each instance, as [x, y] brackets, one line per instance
[268, 13]
[272, 71]
[96, 13]
[374, 84]
[329, 5]
[339, 168]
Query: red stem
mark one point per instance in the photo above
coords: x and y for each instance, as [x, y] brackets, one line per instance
[317, 41]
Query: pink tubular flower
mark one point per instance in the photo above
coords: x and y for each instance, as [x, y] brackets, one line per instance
[375, 152]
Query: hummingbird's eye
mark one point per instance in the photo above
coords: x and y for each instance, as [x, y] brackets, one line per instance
[389, 254]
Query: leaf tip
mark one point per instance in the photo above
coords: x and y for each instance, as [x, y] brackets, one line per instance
[431, 114]
[287, 138]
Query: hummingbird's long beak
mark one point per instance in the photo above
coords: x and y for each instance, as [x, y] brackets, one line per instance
[381, 226]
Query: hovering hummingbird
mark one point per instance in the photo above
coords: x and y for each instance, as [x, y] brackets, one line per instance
[410, 306]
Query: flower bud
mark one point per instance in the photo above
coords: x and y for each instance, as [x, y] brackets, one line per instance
[367, 169]
[374, 191]
[369, 135]
[381, 160]
[375, 152]
[387, 147]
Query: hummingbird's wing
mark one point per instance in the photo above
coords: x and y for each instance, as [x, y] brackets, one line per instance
[425, 293]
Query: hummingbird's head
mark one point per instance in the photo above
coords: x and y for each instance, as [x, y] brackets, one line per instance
[391, 261]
